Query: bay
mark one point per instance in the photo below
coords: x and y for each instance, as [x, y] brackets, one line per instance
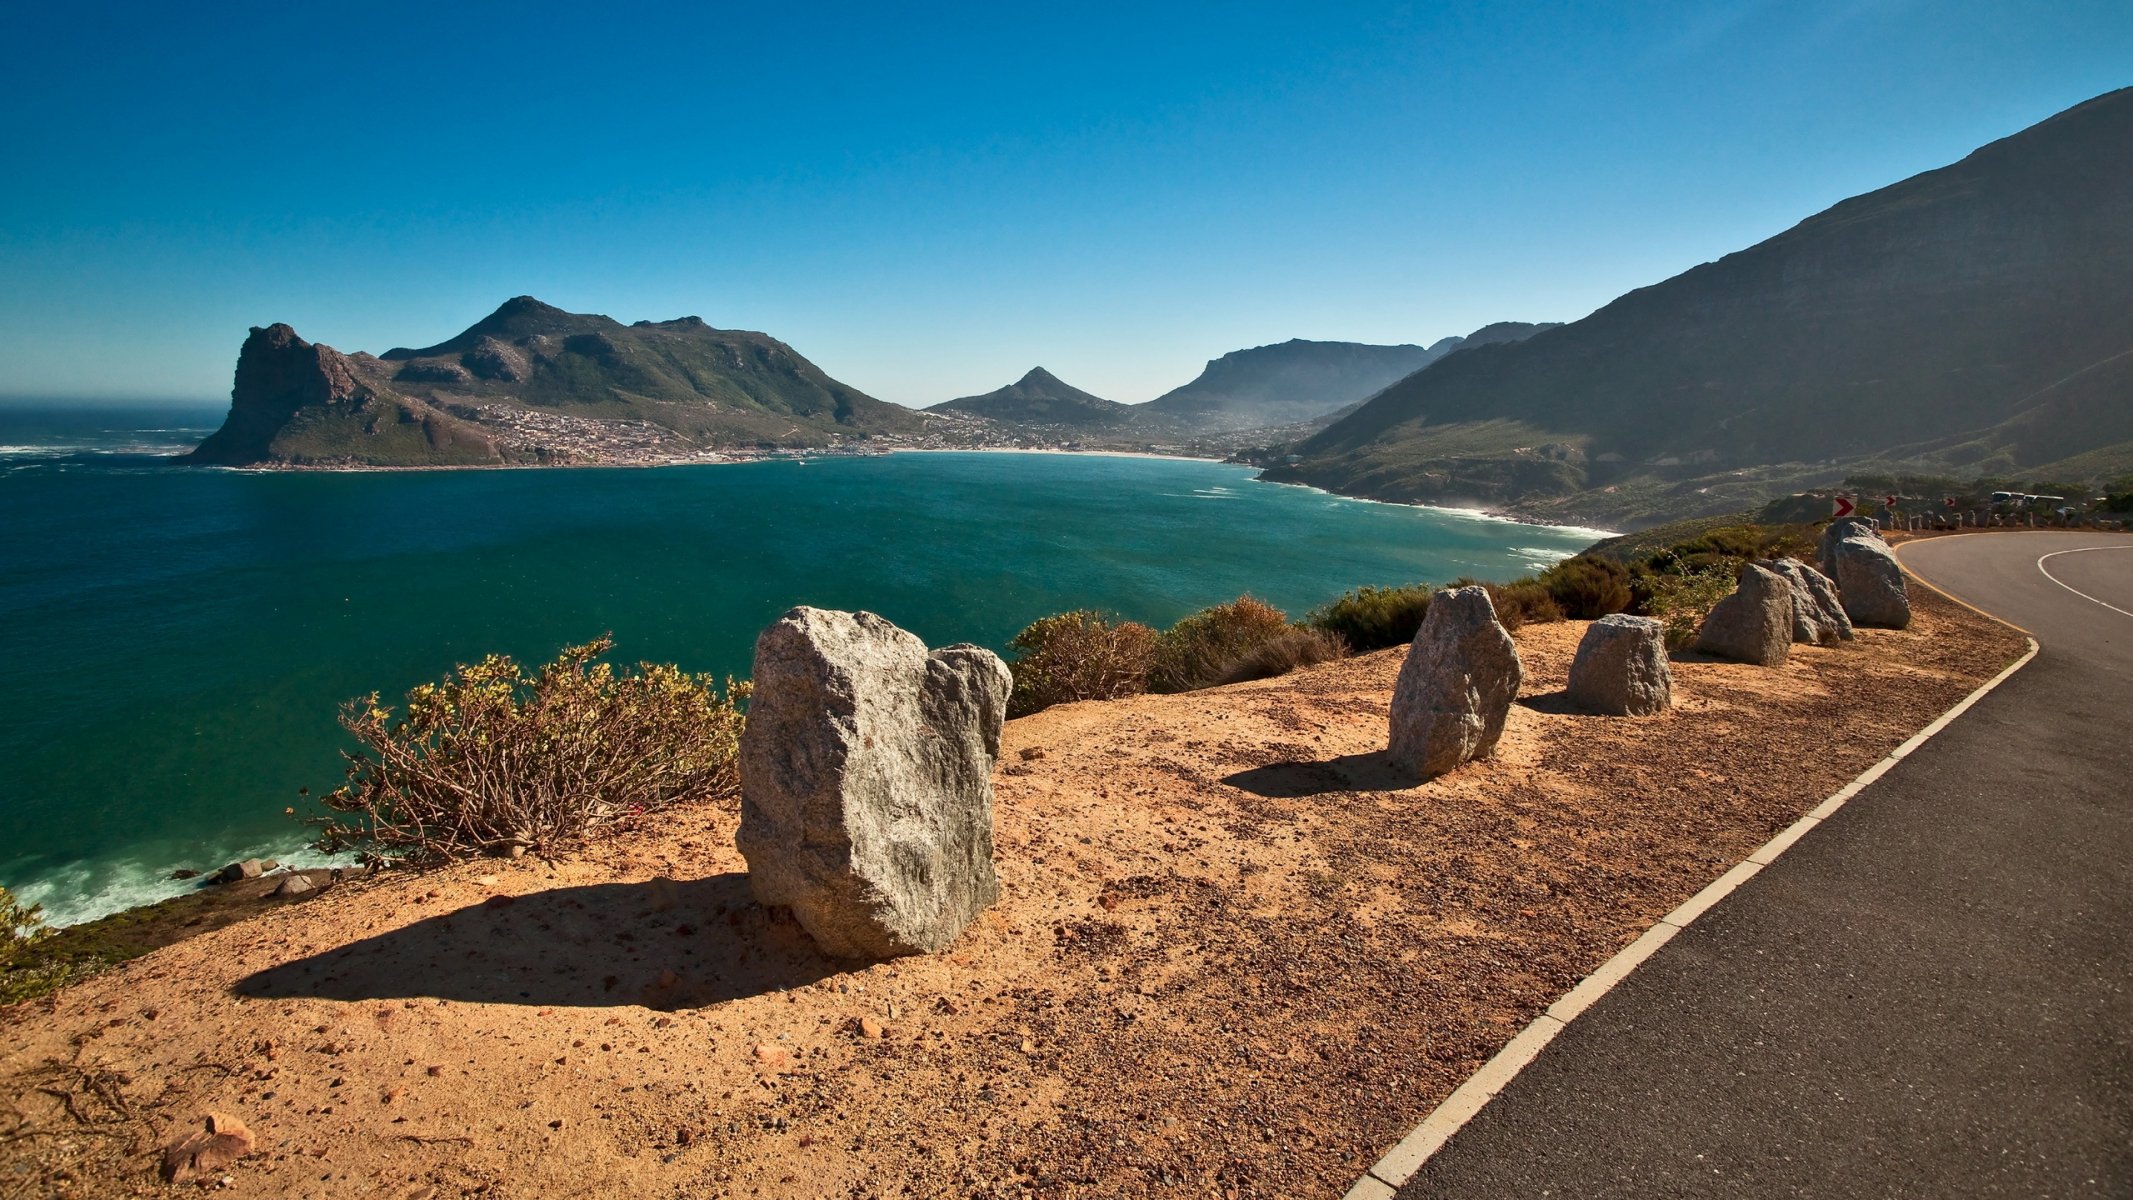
[174, 642]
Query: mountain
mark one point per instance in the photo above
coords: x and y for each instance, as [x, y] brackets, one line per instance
[1976, 319]
[296, 402]
[1041, 399]
[1299, 381]
[532, 383]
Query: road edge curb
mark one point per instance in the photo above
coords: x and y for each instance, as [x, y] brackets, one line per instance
[1399, 1164]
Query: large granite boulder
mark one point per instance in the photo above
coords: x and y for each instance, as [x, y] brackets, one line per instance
[1837, 531]
[1870, 581]
[1818, 616]
[1456, 688]
[1621, 668]
[1754, 624]
[866, 782]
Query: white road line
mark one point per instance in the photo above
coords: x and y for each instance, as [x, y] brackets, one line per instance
[1400, 1163]
[2077, 591]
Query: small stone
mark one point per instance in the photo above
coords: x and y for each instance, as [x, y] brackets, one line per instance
[1754, 624]
[185, 873]
[1621, 668]
[294, 886]
[871, 1028]
[222, 1141]
[772, 1058]
[1456, 687]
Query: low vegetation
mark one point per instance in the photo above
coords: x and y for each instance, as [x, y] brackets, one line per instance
[22, 928]
[1588, 587]
[1373, 618]
[1087, 656]
[1205, 648]
[1079, 655]
[493, 759]
[1680, 599]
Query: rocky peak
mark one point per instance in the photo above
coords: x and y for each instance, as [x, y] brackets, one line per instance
[281, 372]
[1039, 377]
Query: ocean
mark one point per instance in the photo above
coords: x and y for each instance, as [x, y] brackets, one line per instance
[175, 642]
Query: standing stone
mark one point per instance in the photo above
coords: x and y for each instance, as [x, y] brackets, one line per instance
[1754, 624]
[1456, 688]
[866, 782]
[1621, 668]
[1870, 580]
[1837, 531]
[1818, 617]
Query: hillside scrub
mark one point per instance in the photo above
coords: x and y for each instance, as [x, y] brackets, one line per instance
[1588, 587]
[1518, 603]
[1202, 649]
[20, 925]
[1682, 596]
[493, 759]
[1293, 648]
[1078, 655]
[1373, 618]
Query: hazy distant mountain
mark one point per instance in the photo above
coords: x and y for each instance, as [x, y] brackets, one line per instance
[1298, 381]
[1975, 319]
[1041, 399]
[532, 383]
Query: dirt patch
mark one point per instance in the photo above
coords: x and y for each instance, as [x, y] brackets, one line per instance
[1235, 956]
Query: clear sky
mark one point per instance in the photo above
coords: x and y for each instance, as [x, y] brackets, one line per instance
[929, 203]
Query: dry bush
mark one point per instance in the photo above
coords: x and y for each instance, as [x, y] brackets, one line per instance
[1295, 647]
[1078, 656]
[1202, 649]
[493, 758]
[1372, 618]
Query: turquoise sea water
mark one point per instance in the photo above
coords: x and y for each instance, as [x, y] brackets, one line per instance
[174, 642]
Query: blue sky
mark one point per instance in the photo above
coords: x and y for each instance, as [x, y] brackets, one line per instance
[927, 204]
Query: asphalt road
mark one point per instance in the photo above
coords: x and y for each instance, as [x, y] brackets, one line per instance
[1930, 995]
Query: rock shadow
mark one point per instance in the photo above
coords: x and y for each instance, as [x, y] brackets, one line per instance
[1372, 772]
[666, 944]
[1554, 703]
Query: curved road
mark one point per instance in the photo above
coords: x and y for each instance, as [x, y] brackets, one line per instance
[1930, 995]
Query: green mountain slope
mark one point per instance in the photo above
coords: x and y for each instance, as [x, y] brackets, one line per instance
[1969, 318]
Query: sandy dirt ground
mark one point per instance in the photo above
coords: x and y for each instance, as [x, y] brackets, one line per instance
[1234, 956]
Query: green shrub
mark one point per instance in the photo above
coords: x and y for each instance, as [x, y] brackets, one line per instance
[1202, 649]
[1681, 599]
[1588, 587]
[1372, 618]
[1293, 648]
[1078, 656]
[20, 925]
[1523, 602]
[493, 757]
[1517, 603]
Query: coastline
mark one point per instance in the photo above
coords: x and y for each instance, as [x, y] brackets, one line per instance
[95, 881]
[1506, 516]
